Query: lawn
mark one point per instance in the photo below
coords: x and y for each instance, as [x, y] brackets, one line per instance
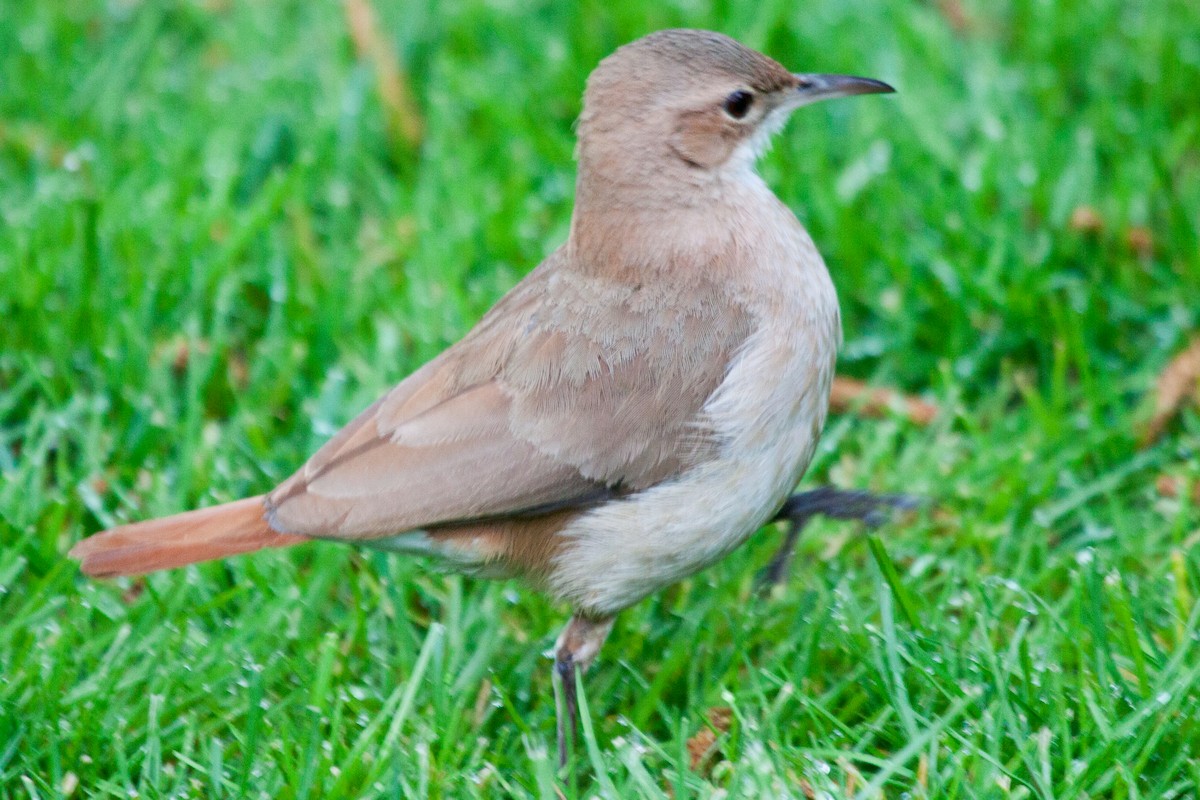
[219, 240]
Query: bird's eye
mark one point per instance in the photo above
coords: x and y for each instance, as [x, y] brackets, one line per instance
[737, 105]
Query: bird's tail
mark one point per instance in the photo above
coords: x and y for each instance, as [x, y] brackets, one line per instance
[217, 532]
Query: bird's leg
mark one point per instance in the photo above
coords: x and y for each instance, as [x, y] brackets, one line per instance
[870, 509]
[776, 570]
[575, 650]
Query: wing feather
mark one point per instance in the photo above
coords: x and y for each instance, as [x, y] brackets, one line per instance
[571, 389]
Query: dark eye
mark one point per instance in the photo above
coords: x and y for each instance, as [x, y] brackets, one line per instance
[738, 103]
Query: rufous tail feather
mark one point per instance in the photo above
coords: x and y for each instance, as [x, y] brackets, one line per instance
[202, 535]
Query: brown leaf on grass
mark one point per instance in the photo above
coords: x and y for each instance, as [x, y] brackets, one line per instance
[404, 121]
[136, 588]
[702, 747]
[955, 15]
[1086, 219]
[239, 370]
[218, 231]
[720, 717]
[178, 351]
[849, 394]
[1140, 240]
[183, 354]
[1176, 382]
[1173, 486]
[34, 141]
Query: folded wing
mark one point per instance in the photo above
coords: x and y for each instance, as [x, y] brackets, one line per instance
[571, 390]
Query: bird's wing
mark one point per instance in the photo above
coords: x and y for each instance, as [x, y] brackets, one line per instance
[570, 390]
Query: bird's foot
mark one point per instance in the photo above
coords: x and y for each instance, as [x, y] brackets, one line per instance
[849, 504]
[577, 647]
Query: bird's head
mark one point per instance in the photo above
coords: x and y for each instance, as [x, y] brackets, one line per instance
[698, 99]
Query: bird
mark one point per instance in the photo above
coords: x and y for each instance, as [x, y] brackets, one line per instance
[627, 414]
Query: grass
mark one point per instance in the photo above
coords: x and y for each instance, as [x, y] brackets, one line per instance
[212, 253]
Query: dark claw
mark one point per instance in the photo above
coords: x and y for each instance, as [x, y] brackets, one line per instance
[565, 669]
[870, 509]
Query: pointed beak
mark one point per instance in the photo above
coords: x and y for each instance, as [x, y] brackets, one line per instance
[811, 88]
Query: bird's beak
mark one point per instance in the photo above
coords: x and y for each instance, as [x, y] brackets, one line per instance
[812, 88]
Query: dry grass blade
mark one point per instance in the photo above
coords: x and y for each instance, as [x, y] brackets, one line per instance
[849, 394]
[1178, 380]
[404, 121]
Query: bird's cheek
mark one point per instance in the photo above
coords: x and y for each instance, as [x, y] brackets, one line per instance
[704, 140]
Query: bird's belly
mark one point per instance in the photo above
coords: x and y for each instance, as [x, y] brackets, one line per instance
[768, 415]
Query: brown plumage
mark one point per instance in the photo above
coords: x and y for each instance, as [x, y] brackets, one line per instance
[217, 532]
[489, 428]
[626, 415]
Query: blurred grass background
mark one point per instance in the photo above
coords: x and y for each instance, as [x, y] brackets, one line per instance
[216, 246]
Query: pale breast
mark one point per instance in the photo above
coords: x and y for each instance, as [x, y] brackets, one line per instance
[767, 415]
